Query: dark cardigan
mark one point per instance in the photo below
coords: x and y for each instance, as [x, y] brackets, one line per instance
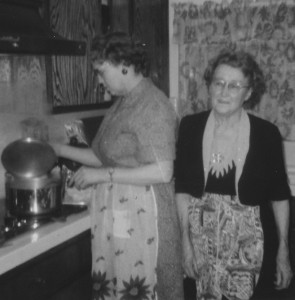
[263, 177]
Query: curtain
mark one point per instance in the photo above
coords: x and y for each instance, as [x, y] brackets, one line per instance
[265, 28]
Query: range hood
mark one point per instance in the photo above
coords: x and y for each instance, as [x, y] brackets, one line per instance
[24, 31]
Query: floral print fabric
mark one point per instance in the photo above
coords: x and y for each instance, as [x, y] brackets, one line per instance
[265, 28]
[125, 243]
[136, 239]
[228, 242]
[138, 129]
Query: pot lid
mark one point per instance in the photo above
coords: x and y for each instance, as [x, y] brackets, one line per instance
[28, 158]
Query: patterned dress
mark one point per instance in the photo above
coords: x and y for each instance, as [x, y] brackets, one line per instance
[135, 234]
[228, 241]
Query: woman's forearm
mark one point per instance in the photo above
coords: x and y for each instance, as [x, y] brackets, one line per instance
[160, 172]
[182, 202]
[143, 175]
[85, 156]
[281, 210]
[284, 272]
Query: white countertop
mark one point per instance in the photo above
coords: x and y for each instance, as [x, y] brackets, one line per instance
[26, 246]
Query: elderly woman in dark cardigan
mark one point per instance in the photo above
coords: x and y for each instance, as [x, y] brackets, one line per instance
[229, 174]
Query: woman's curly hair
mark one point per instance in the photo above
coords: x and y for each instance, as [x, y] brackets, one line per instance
[119, 48]
[249, 67]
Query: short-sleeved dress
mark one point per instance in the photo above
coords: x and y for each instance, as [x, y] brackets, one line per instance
[135, 233]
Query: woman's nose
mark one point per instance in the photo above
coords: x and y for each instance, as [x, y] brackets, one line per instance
[225, 90]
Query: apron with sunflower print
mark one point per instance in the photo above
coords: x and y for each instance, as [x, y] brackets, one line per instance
[136, 248]
[227, 238]
[124, 233]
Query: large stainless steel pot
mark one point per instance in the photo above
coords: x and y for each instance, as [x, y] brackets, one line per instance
[33, 185]
[37, 196]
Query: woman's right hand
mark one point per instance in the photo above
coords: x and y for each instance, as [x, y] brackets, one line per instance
[87, 176]
[189, 261]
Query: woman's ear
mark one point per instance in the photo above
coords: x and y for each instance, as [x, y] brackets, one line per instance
[124, 71]
[125, 68]
[248, 95]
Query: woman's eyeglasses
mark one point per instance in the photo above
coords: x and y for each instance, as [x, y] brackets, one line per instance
[233, 87]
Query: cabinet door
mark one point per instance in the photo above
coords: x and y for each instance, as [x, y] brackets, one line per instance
[150, 24]
[147, 21]
[120, 14]
[61, 273]
[72, 82]
[79, 289]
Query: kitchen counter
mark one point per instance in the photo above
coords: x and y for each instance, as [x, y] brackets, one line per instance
[26, 246]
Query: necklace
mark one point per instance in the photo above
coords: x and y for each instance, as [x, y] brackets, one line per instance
[217, 158]
[242, 144]
[223, 151]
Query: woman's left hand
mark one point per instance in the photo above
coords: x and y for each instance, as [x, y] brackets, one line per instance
[284, 272]
[86, 176]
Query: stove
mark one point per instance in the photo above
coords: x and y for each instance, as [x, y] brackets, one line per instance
[14, 226]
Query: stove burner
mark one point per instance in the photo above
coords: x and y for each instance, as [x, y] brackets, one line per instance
[13, 226]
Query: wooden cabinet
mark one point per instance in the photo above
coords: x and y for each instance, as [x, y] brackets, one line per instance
[147, 21]
[70, 79]
[63, 273]
[150, 23]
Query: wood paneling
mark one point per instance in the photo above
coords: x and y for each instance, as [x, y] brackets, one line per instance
[150, 25]
[120, 15]
[146, 21]
[73, 82]
[72, 78]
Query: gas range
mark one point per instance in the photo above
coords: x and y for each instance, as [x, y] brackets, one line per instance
[14, 226]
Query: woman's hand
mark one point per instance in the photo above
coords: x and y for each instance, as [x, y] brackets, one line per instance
[86, 176]
[284, 272]
[189, 262]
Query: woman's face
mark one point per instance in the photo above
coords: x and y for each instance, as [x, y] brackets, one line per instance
[112, 77]
[228, 90]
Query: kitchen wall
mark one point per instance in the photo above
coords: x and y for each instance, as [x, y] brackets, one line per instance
[23, 94]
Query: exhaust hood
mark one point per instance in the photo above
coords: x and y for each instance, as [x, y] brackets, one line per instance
[24, 31]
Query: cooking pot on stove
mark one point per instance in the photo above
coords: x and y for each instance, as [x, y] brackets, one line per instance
[32, 182]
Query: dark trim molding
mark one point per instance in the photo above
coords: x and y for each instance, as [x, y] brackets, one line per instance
[77, 108]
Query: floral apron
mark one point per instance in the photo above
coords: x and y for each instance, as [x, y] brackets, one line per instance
[124, 233]
[228, 242]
